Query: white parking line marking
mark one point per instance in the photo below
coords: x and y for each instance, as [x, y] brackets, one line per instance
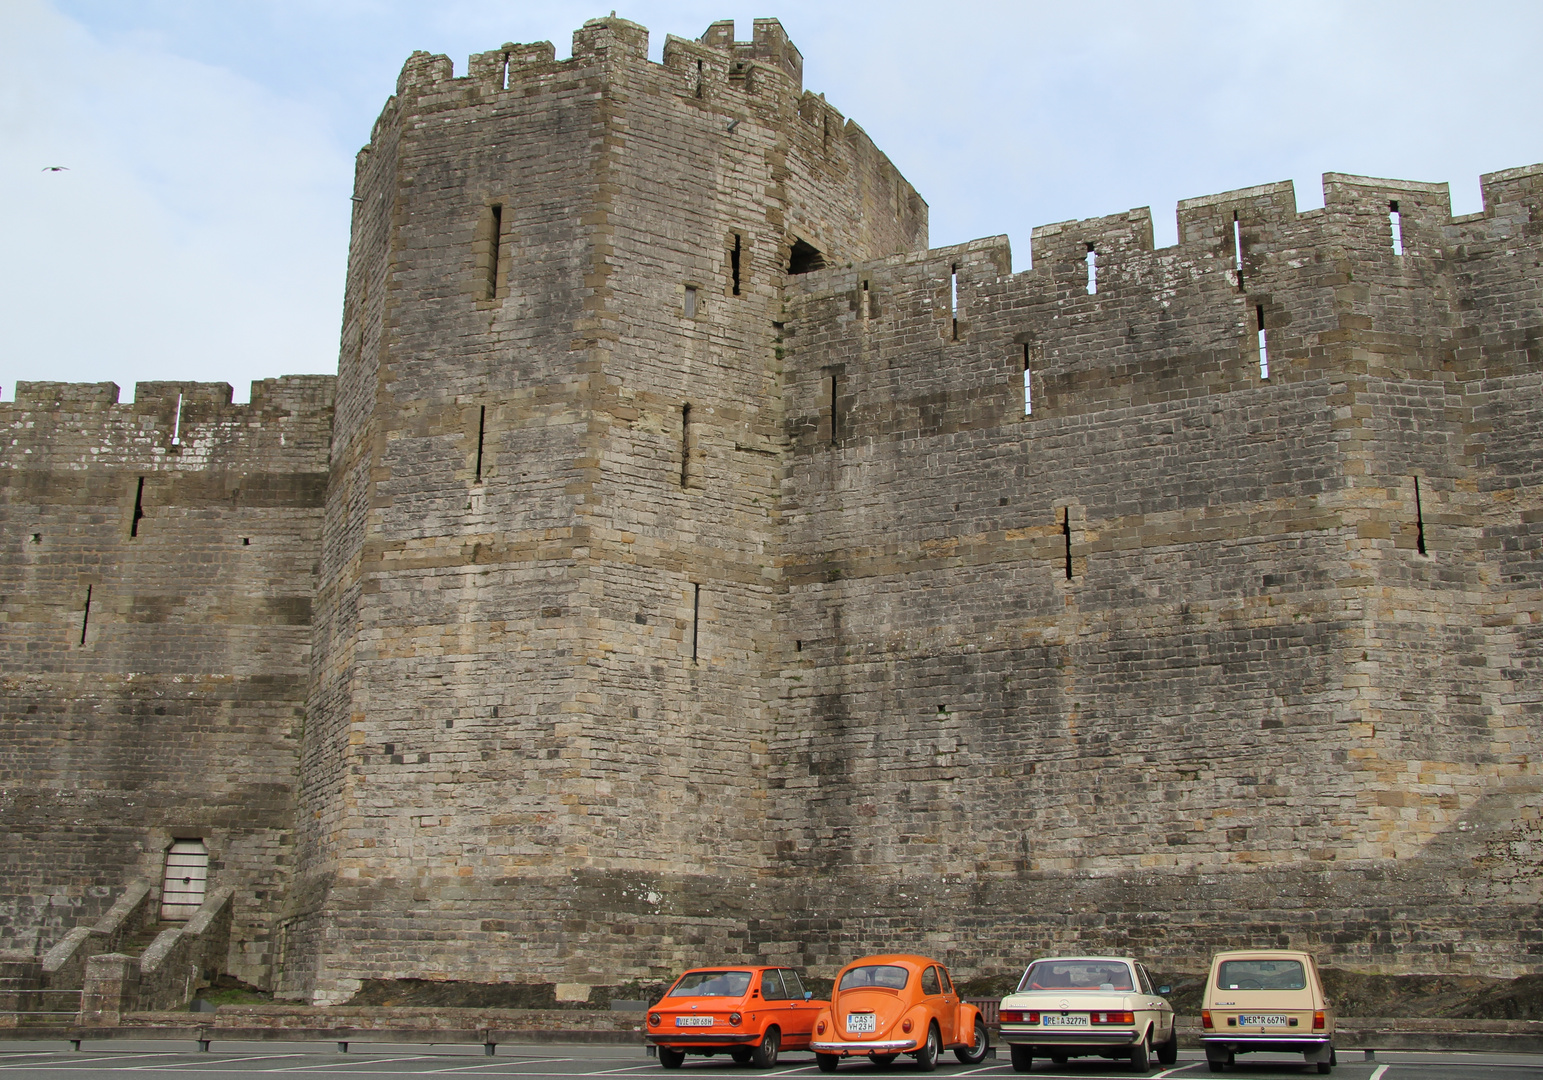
[506, 1061]
[346, 1064]
[84, 1061]
[1377, 1075]
[202, 1061]
[983, 1068]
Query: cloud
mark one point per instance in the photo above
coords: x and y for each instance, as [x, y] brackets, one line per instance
[200, 231]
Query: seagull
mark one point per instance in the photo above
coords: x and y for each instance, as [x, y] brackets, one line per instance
[55, 168]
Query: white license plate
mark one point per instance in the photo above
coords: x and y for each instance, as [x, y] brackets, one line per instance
[693, 1021]
[1057, 1020]
[861, 1023]
[1261, 1020]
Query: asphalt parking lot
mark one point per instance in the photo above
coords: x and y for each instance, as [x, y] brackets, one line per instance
[223, 1061]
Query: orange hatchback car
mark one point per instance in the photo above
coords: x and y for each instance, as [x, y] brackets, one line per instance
[885, 1006]
[751, 1013]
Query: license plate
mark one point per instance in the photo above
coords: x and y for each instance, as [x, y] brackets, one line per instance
[1261, 1020]
[1057, 1020]
[861, 1023]
[693, 1021]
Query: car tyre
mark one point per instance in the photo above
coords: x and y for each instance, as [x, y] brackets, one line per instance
[671, 1059]
[1141, 1057]
[1023, 1058]
[764, 1056]
[927, 1056]
[827, 1062]
[1168, 1051]
[740, 1054]
[975, 1053]
[883, 1060]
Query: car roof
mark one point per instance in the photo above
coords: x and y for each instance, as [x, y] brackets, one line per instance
[1261, 954]
[894, 958]
[1081, 959]
[734, 967]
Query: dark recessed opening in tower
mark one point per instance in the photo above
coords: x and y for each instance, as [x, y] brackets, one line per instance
[804, 258]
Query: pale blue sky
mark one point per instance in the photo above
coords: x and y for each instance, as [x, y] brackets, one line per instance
[201, 228]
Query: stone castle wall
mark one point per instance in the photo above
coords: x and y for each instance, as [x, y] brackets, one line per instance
[173, 708]
[672, 572]
[1162, 665]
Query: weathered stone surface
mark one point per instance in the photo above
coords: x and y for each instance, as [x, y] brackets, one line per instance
[679, 576]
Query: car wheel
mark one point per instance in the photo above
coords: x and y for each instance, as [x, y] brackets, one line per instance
[1023, 1058]
[1140, 1056]
[1168, 1052]
[1059, 1059]
[883, 1060]
[764, 1056]
[1216, 1066]
[740, 1054]
[671, 1059]
[927, 1056]
[827, 1062]
[976, 1052]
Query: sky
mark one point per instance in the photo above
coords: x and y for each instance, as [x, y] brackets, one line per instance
[199, 226]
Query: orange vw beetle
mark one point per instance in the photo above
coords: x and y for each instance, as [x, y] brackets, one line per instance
[885, 1006]
[747, 1011]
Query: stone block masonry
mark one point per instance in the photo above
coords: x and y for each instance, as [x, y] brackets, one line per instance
[687, 564]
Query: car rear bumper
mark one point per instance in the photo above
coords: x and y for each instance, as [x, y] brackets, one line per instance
[1318, 1046]
[736, 1039]
[1080, 1037]
[872, 1046]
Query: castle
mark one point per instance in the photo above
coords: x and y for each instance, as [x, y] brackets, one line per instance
[687, 563]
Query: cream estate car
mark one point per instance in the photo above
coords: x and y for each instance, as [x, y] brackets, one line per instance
[1266, 999]
[1085, 1006]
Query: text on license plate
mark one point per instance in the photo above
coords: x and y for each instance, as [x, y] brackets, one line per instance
[1057, 1020]
[693, 1021]
[1261, 1020]
[858, 1023]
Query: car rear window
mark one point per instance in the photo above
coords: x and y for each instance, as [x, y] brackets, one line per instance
[1261, 975]
[1076, 975]
[711, 984]
[889, 976]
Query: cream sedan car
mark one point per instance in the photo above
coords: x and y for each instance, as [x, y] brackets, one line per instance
[1085, 1006]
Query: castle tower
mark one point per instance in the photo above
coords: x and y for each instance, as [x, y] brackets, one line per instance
[538, 716]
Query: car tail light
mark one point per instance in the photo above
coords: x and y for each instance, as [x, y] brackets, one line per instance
[1011, 1016]
[1205, 1019]
[735, 1018]
[1112, 1018]
[1032, 1016]
[819, 1029]
[1318, 1023]
[653, 1019]
[905, 1026]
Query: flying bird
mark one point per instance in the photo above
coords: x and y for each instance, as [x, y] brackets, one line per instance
[55, 168]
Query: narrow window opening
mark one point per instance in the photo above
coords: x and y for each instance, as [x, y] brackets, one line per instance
[1237, 248]
[1264, 353]
[690, 305]
[139, 508]
[1066, 537]
[37, 538]
[246, 541]
[503, 74]
[804, 257]
[834, 386]
[176, 424]
[495, 251]
[953, 299]
[734, 262]
[798, 645]
[85, 616]
[1092, 261]
[685, 443]
[482, 426]
[699, 78]
[863, 302]
[1028, 385]
[1396, 220]
[696, 613]
[1419, 519]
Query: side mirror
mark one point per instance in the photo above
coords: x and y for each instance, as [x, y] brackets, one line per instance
[1165, 990]
[808, 995]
